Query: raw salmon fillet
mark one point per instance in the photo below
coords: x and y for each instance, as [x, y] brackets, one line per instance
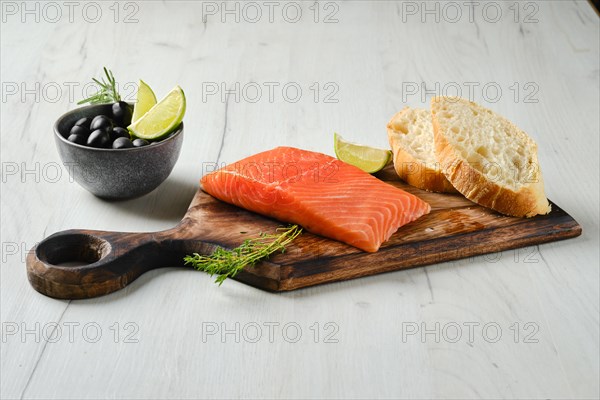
[318, 192]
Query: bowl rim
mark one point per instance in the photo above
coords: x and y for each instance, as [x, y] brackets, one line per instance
[178, 131]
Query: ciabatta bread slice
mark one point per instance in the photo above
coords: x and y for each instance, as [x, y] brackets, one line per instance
[487, 158]
[410, 134]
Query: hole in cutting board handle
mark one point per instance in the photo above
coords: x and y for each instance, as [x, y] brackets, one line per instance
[72, 249]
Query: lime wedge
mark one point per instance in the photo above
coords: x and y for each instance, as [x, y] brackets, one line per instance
[162, 118]
[369, 159]
[144, 101]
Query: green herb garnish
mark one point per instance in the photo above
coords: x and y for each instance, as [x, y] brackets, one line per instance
[107, 92]
[227, 263]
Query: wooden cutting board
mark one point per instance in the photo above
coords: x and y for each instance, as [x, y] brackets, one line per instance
[456, 228]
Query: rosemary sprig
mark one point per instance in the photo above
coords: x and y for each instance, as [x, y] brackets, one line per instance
[107, 93]
[227, 263]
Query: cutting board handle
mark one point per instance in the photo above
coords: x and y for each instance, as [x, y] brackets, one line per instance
[77, 264]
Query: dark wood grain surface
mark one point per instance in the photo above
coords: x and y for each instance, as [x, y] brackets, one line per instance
[456, 228]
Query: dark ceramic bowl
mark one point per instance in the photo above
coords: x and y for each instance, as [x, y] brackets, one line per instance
[115, 173]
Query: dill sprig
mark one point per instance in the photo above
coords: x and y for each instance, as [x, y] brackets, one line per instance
[227, 263]
[107, 92]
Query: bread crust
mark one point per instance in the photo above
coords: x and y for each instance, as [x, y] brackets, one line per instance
[529, 201]
[411, 170]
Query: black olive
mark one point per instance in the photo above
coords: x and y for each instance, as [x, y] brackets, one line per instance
[100, 121]
[85, 122]
[140, 142]
[79, 139]
[122, 143]
[118, 110]
[122, 113]
[99, 138]
[118, 132]
[79, 130]
[128, 114]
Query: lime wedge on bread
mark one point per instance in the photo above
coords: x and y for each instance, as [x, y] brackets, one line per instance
[369, 159]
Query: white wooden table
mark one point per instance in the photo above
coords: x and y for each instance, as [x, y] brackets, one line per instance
[521, 324]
